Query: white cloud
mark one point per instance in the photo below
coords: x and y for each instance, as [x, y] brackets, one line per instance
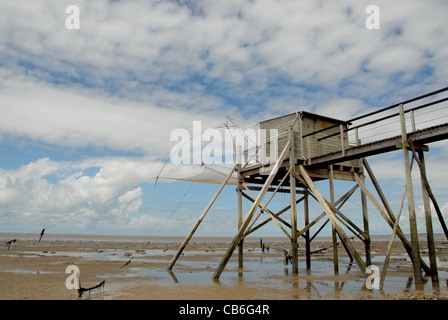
[341, 108]
[136, 70]
[228, 44]
[76, 117]
[113, 194]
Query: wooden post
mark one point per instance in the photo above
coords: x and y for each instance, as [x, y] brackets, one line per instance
[365, 212]
[265, 209]
[341, 201]
[193, 230]
[365, 218]
[341, 129]
[272, 216]
[333, 227]
[428, 219]
[390, 219]
[236, 240]
[411, 206]
[240, 206]
[434, 202]
[309, 149]
[378, 189]
[307, 233]
[302, 146]
[357, 140]
[413, 121]
[292, 190]
[277, 215]
[332, 218]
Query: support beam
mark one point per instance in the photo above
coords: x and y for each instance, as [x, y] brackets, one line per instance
[350, 225]
[272, 216]
[438, 211]
[238, 237]
[388, 214]
[264, 207]
[378, 189]
[332, 218]
[340, 202]
[365, 220]
[320, 229]
[307, 233]
[428, 219]
[411, 205]
[346, 221]
[391, 242]
[333, 226]
[277, 215]
[292, 188]
[240, 216]
[432, 197]
[198, 222]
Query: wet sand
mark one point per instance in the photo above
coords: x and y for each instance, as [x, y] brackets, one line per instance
[36, 270]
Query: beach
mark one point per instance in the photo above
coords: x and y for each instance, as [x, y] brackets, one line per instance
[135, 268]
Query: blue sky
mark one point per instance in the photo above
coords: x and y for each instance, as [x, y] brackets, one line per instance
[87, 114]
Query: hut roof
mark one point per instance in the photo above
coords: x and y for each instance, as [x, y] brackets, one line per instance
[311, 115]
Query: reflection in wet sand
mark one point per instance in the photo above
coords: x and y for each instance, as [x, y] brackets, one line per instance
[36, 270]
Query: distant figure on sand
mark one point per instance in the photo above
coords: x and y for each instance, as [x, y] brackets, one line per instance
[288, 257]
[42, 234]
[8, 243]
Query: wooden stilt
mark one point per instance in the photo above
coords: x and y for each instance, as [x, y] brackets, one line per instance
[250, 214]
[333, 227]
[432, 197]
[411, 206]
[320, 229]
[265, 209]
[349, 224]
[294, 243]
[240, 218]
[346, 248]
[198, 222]
[332, 218]
[428, 219]
[307, 233]
[378, 189]
[365, 219]
[252, 229]
[272, 216]
[340, 202]
[395, 228]
[240, 205]
[438, 211]
[387, 213]
[292, 191]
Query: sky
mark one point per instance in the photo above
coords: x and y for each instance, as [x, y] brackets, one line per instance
[87, 114]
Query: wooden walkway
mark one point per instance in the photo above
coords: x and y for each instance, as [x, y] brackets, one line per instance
[419, 138]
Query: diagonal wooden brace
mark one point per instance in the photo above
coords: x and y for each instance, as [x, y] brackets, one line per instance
[331, 215]
[239, 236]
[198, 222]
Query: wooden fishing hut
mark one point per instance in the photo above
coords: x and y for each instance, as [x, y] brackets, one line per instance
[295, 139]
[292, 140]
[305, 148]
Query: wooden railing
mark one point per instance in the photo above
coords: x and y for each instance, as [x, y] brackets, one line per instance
[386, 122]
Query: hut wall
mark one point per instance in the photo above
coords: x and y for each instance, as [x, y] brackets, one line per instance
[311, 145]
